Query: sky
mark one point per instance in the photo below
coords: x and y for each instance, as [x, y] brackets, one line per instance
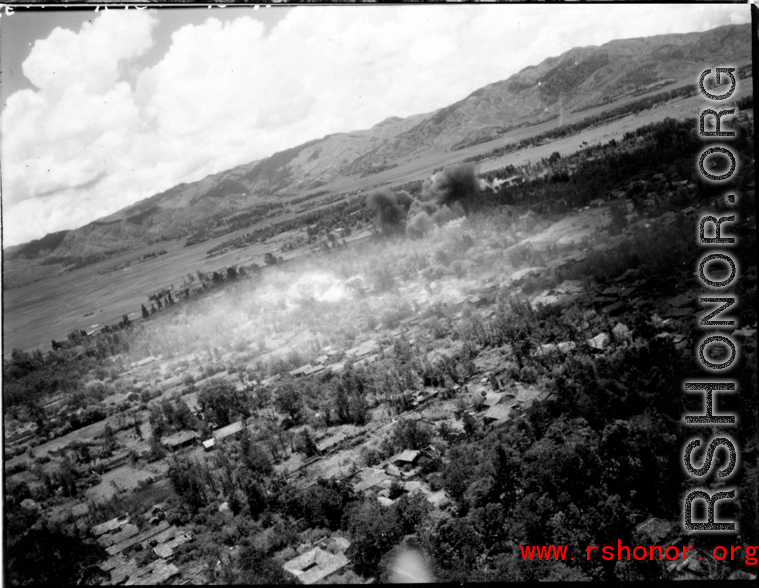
[102, 109]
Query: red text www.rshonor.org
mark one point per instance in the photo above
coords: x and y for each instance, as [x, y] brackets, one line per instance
[746, 554]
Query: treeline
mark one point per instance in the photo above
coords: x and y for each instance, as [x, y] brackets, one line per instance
[668, 147]
[343, 214]
[29, 377]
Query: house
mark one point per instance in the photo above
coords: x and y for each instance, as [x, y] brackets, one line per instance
[115, 399]
[179, 440]
[166, 550]
[439, 499]
[600, 341]
[156, 572]
[170, 383]
[110, 526]
[521, 275]
[370, 480]
[269, 381]
[313, 370]
[133, 537]
[334, 544]
[143, 362]
[654, 531]
[228, 431]
[315, 565]
[301, 371]
[393, 470]
[494, 399]
[406, 458]
[107, 540]
[191, 400]
[498, 414]
[113, 462]
[330, 443]
[22, 434]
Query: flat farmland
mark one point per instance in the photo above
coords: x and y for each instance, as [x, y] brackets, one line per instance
[50, 308]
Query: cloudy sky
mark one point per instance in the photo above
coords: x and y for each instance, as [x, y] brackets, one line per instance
[103, 109]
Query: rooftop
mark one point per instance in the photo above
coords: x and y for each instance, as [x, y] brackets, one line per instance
[315, 565]
[407, 456]
[179, 438]
[110, 526]
[498, 412]
[224, 432]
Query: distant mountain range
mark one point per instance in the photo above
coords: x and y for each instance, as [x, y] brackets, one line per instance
[579, 78]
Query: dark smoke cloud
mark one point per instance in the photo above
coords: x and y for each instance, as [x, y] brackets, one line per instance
[446, 196]
[391, 208]
[455, 184]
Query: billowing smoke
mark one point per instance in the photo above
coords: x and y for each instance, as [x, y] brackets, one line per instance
[456, 184]
[419, 224]
[446, 195]
[391, 208]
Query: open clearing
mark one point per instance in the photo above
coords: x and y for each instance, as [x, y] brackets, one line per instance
[123, 479]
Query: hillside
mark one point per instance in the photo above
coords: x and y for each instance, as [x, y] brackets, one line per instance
[580, 78]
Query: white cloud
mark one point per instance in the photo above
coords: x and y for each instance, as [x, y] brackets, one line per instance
[99, 133]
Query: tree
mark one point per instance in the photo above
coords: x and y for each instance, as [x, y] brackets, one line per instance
[375, 530]
[289, 402]
[43, 557]
[109, 441]
[322, 506]
[224, 403]
[412, 509]
[156, 449]
[455, 546]
[183, 417]
[255, 567]
[186, 478]
[256, 496]
[308, 444]
[269, 259]
[412, 434]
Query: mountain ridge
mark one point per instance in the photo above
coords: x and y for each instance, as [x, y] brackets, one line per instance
[579, 78]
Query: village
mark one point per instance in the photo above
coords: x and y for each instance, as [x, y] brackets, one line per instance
[156, 403]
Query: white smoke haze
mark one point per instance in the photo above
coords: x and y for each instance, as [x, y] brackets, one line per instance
[410, 566]
[311, 286]
[338, 299]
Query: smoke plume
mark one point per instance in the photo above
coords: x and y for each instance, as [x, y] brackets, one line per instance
[391, 208]
[455, 184]
[445, 196]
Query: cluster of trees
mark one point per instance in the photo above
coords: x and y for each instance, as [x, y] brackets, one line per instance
[667, 147]
[346, 213]
[29, 377]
